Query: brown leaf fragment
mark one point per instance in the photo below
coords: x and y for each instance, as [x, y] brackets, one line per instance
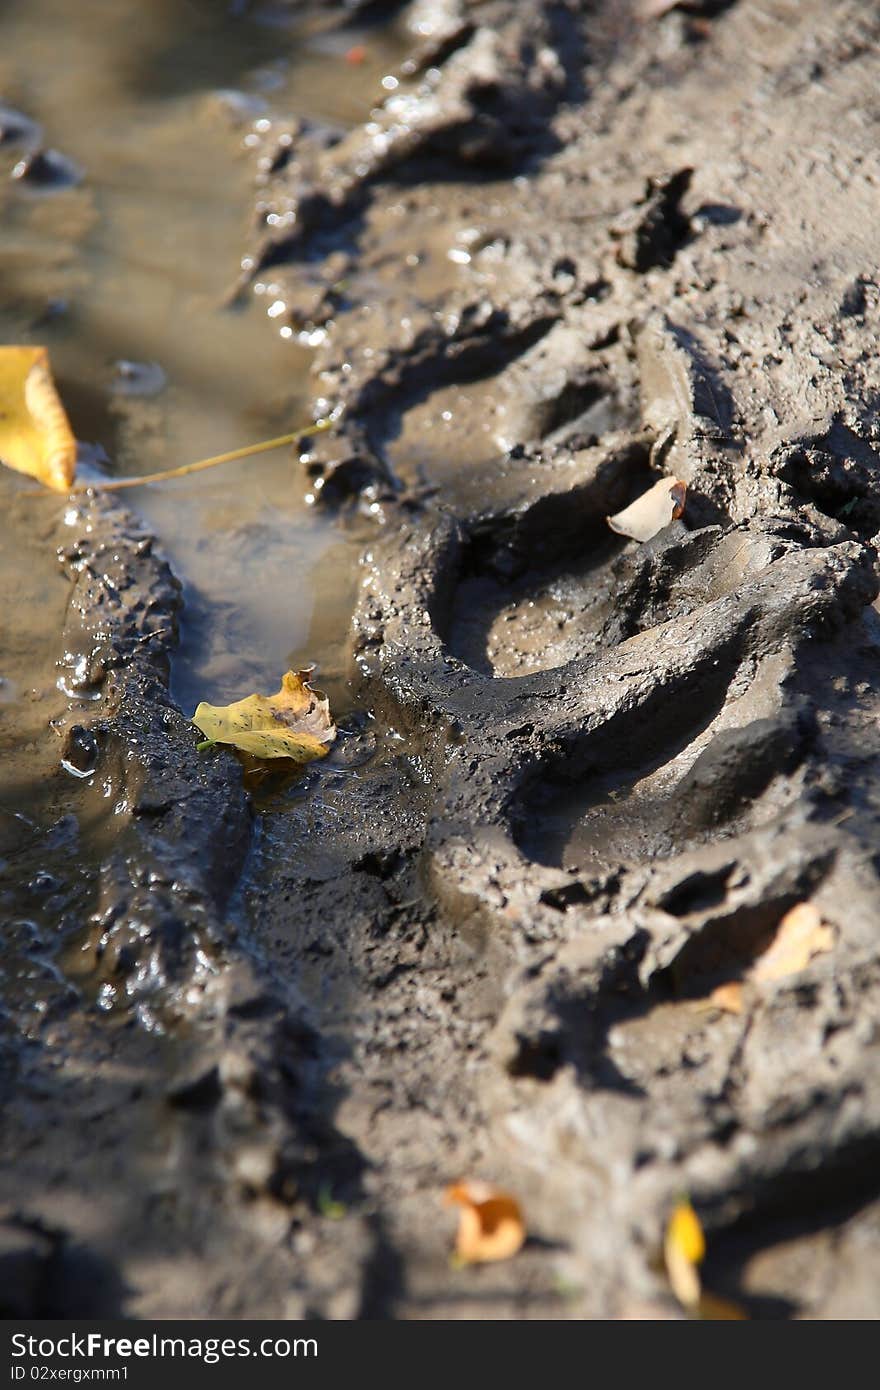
[490, 1223]
[656, 508]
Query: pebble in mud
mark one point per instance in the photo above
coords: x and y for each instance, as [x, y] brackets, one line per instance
[80, 751]
[47, 171]
[138, 379]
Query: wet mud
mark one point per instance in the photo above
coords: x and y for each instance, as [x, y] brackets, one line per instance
[252, 1028]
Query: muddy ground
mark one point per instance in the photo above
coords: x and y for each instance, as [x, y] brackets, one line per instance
[581, 779]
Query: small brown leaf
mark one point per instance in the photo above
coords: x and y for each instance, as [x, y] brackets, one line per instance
[35, 434]
[490, 1224]
[656, 508]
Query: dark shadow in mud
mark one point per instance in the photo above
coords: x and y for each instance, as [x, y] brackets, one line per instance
[577, 1023]
[607, 820]
[577, 1018]
[383, 1275]
[91, 416]
[719, 214]
[839, 472]
[433, 362]
[796, 1217]
[485, 598]
[43, 1274]
[555, 798]
[713, 403]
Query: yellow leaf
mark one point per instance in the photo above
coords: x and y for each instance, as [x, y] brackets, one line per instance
[35, 434]
[490, 1224]
[683, 1249]
[799, 936]
[295, 723]
[642, 519]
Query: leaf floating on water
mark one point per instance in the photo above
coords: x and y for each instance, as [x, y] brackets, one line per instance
[490, 1223]
[642, 519]
[295, 723]
[35, 434]
[683, 1250]
[799, 936]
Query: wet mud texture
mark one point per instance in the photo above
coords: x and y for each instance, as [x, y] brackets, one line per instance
[583, 779]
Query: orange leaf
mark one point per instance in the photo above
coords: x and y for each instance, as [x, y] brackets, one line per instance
[728, 997]
[799, 936]
[490, 1224]
[35, 434]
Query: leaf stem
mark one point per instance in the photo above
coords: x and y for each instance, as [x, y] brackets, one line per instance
[117, 484]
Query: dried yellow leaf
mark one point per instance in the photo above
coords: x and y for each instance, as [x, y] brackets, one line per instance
[642, 519]
[799, 936]
[295, 723]
[683, 1249]
[35, 434]
[490, 1223]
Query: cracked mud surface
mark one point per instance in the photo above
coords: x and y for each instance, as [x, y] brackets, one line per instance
[580, 781]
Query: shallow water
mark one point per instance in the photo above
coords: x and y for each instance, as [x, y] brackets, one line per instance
[124, 275]
[156, 106]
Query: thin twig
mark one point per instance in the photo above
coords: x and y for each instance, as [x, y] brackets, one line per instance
[117, 484]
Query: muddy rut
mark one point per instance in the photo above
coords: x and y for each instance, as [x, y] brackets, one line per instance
[580, 780]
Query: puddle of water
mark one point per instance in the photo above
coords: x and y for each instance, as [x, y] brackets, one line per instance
[156, 104]
[122, 275]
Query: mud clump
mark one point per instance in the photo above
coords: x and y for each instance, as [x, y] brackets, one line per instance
[598, 774]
